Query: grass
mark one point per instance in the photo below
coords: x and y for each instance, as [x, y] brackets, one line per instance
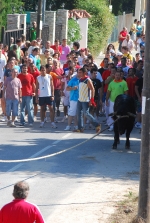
[126, 210]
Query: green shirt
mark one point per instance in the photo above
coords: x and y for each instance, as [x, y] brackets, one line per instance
[117, 88]
[32, 34]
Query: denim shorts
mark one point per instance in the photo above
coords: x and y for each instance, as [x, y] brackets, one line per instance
[12, 105]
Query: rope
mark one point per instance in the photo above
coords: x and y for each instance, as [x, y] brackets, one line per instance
[62, 151]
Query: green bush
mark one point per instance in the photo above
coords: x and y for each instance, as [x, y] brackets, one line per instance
[100, 24]
[73, 31]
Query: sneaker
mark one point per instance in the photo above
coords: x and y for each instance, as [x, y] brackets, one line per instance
[35, 118]
[8, 123]
[68, 128]
[16, 119]
[110, 129]
[55, 120]
[4, 119]
[138, 125]
[45, 119]
[26, 118]
[42, 125]
[22, 124]
[31, 124]
[54, 126]
[12, 125]
[58, 113]
[64, 119]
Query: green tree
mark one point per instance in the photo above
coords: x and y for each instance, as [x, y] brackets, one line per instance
[73, 31]
[100, 24]
[121, 6]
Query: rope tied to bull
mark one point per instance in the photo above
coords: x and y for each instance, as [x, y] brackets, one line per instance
[62, 151]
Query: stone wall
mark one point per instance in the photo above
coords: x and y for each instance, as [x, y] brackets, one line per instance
[61, 24]
[50, 20]
[13, 21]
[33, 17]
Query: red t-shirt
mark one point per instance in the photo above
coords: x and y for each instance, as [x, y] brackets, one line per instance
[35, 74]
[57, 82]
[57, 49]
[19, 210]
[27, 82]
[105, 75]
[124, 34]
[131, 85]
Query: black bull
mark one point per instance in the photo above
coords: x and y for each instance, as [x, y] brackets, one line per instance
[124, 106]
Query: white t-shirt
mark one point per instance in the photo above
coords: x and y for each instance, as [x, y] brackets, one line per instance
[80, 60]
[44, 85]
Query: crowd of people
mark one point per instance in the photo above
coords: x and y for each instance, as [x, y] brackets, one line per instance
[32, 74]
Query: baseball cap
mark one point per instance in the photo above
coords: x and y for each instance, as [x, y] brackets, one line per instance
[119, 54]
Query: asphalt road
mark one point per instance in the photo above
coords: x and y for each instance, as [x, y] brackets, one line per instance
[75, 186]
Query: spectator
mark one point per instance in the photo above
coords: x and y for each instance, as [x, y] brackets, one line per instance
[19, 210]
[13, 52]
[28, 90]
[33, 31]
[57, 48]
[48, 47]
[126, 53]
[131, 80]
[76, 46]
[137, 58]
[33, 55]
[139, 69]
[65, 51]
[12, 87]
[122, 37]
[128, 42]
[133, 31]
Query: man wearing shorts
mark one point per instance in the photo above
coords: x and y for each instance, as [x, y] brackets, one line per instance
[12, 86]
[44, 85]
[74, 95]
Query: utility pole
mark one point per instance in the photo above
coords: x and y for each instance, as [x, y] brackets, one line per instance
[144, 190]
[39, 19]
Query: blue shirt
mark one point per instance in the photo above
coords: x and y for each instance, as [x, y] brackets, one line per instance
[74, 94]
[33, 58]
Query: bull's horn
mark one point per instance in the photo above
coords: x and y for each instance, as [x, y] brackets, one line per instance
[131, 114]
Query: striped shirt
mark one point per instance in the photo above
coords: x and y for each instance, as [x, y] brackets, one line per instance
[84, 91]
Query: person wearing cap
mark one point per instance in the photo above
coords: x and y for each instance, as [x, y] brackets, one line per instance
[129, 43]
[119, 56]
[122, 37]
[65, 51]
[20, 210]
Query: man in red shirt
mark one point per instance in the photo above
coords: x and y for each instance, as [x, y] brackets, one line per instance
[28, 90]
[56, 47]
[131, 80]
[57, 85]
[19, 210]
[122, 36]
[35, 73]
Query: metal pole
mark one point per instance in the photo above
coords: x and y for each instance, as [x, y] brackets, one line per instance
[144, 190]
[43, 11]
[39, 19]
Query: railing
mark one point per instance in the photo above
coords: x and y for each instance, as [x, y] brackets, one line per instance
[7, 34]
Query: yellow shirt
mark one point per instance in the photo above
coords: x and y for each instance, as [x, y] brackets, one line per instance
[128, 56]
[43, 59]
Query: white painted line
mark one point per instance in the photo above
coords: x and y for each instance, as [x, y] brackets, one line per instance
[67, 135]
[38, 153]
[33, 156]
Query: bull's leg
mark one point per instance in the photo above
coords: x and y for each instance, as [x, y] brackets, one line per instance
[116, 136]
[127, 145]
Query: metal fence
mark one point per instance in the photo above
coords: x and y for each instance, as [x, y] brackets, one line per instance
[7, 34]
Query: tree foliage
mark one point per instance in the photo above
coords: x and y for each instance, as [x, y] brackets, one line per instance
[6, 8]
[73, 31]
[121, 6]
[100, 24]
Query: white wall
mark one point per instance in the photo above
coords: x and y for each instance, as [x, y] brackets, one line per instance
[83, 23]
[138, 9]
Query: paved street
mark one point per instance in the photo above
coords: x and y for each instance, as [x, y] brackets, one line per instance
[80, 185]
